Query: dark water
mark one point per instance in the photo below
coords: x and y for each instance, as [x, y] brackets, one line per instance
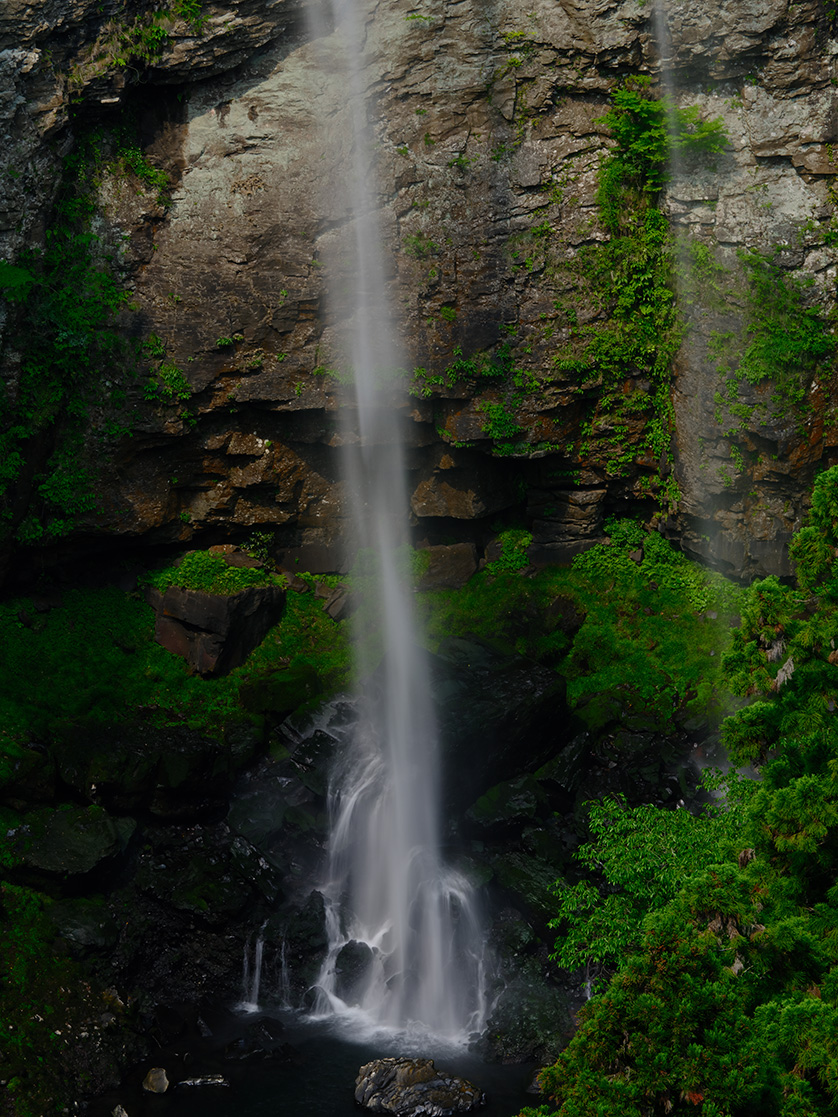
[319, 1082]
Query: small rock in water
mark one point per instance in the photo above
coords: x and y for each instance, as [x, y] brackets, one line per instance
[410, 1087]
[205, 1080]
[156, 1081]
[119, 1112]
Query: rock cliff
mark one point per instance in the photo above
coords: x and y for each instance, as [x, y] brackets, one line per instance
[486, 119]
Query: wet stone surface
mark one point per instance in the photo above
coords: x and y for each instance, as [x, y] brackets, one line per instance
[410, 1087]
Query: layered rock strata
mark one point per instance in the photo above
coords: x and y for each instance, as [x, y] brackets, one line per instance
[488, 137]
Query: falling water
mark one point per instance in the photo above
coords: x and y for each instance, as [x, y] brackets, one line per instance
[252, 975]
[407, 921]
[666, 63]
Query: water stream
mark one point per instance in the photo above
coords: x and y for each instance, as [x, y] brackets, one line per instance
[406, 946]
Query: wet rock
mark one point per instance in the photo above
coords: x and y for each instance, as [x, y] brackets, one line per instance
[414, 1087]
[86, 924]
[196, 873]
[340, 604]
[495, 708]
[205, 1080]
[173, 772]
[352, 968]
[532, 1020]
[507, 802]
[156, 1081]
[71, 840]
[215, 632]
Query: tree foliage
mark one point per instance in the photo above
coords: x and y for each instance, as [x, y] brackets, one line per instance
[729, 1003]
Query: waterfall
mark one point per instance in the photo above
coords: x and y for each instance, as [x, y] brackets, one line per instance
[405, 938]
[666, 59]
[252, 975]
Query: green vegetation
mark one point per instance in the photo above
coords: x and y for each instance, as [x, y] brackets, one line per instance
[646, 130]
[46, 997]
[635, 862]
[651, 632]
[727, 1004]
[138, 41]
[788, 340]
[167, 384]
[514, 543]
[96, 658]
[620, 357]
[66, 298]
[208, 572]
[629, 278]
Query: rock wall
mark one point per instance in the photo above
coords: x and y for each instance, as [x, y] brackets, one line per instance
[487, 132]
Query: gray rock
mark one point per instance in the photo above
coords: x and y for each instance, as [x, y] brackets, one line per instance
[414, 1088]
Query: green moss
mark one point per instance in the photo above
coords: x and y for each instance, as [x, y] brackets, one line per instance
[653, 633]
[208, 572]
[97, 659]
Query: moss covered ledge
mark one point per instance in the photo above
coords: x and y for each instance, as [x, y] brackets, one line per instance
[214, 607]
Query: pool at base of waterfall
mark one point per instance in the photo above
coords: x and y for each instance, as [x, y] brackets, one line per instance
[277, 1062]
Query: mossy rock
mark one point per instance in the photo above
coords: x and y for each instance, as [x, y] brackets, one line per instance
[529, 879]
[71, 840]
[85, 924]
[532, 1020]
[507, 802]
[280, 692]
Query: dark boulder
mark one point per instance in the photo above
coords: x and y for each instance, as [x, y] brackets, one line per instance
[448, 567]
[172, 771]
[214, 632]
[352, 968]
[71, 841]
[414, 1087]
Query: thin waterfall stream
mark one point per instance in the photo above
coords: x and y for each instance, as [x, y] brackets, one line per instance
[405, 941]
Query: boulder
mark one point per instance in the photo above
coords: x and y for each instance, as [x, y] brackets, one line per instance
[156, 1081]
[72, 840]
[214, 632]
[448, 567]
[414, 1087]
[352, 967]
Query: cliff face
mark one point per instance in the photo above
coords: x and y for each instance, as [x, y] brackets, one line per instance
[485, 120]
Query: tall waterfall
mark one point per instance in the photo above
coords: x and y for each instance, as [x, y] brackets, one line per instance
[405, 942]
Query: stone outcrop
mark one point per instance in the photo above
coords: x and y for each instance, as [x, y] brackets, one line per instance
[488, 138]
[414, 1087]
[214, 632]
